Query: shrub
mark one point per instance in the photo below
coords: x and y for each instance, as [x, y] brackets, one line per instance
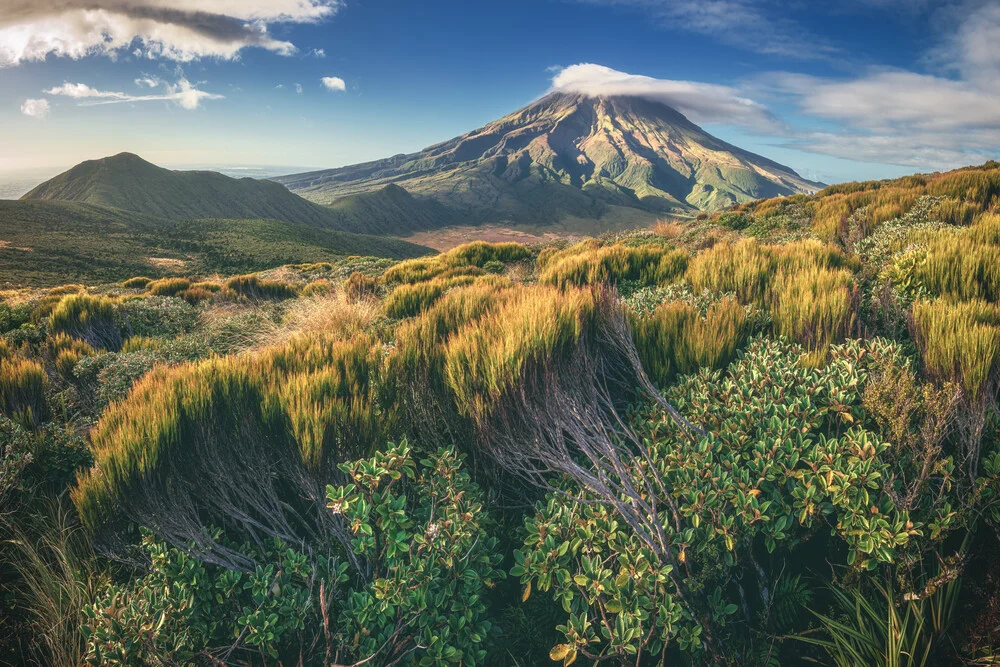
[676, 339]
[22, 391]
[138, 282]
[168, 286]
[733, 220]
[13, 317]
[156, 316]
[93, 319]
[252, 287]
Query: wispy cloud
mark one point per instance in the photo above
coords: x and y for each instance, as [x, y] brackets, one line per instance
[317, 53]
[183, 93]
[148, 81]
[701, 102]
[334, 83]
[761, 26]
[35, 108]
[298, 88]
[180, 30]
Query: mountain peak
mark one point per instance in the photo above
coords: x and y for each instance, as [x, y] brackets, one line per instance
[571, 154]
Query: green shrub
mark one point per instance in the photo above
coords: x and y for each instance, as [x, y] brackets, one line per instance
[734, 220]
[13, 317]
[158, 316]
[93, 319]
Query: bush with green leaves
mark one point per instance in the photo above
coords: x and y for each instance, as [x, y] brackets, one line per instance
[785, 464]
[158, 316]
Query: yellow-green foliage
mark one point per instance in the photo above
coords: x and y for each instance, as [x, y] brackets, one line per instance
[475, 254]
[138, 282]
[252, 286]
[168, 286]
[65, 351]
[965, 264]
[676, 339]
[359, 286]
[207, 285]
[409, 299]
[310, 393]
[136, 343]
[589, 265]
[63, 290]
[814, 306]
[93, 319]
[5, 349]
[334, 410]
[959, 341]
[319, 287]
[22, 391]
[195, 295]
[485, 361]
[749, 268]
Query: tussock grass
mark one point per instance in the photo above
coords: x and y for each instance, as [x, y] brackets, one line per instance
[959, 341]
[319, 287]
[332, 314]
[589, 265]
[93, 319]
[22, 391]
[137, 282]
[168, 286]
[411, 299]
[815, 307]
[676, 339]
[252, 286]
[469, 256]
[360, 286]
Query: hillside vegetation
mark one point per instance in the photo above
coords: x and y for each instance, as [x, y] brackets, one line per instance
[768, 436]
[51, 243]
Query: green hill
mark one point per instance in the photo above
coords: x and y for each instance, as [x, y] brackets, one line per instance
[47, 243]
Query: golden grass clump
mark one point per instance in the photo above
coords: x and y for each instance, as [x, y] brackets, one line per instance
[93, 319]
[956, 266]
[649, 265]
[409, 299]
[676, 339]
[168, 286]
[668, 229]
[320, 287]
[251, 286]
[959, 342]
[22, 391]
[261, 421]
[138, 282]
[359, 286]
[138, 343]
[63, 290]
[332, 314]
[66, 351]
[476, 254]
[484, 361]
[814, 306]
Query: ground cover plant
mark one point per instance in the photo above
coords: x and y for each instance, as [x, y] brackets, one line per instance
[759, 438]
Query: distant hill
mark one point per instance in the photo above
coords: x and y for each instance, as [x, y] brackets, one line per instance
[53, 242]
[126, 181]
[571, 156]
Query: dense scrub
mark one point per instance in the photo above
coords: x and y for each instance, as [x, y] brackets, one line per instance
[759, 439]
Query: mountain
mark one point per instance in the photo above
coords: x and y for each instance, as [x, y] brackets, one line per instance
[570, 155]
[48, 243]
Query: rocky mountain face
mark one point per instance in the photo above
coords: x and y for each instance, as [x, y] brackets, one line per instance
[570, 155]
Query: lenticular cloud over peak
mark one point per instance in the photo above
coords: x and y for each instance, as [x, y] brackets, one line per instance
[701, 102]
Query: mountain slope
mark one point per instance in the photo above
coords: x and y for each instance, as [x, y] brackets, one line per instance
[54, 242]
[571, 155]
[128, 182]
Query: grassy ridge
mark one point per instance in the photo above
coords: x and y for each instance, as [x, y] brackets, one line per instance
[50, 243]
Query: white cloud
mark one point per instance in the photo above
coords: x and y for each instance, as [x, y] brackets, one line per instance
[755, 25]
[298, 88]
[700, 102]
[148, 81]
[35, 108]
[183, 93]
[180, 30]
[317, 53]
[334, 83]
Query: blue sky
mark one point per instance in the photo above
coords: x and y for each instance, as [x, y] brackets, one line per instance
[870, 89]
